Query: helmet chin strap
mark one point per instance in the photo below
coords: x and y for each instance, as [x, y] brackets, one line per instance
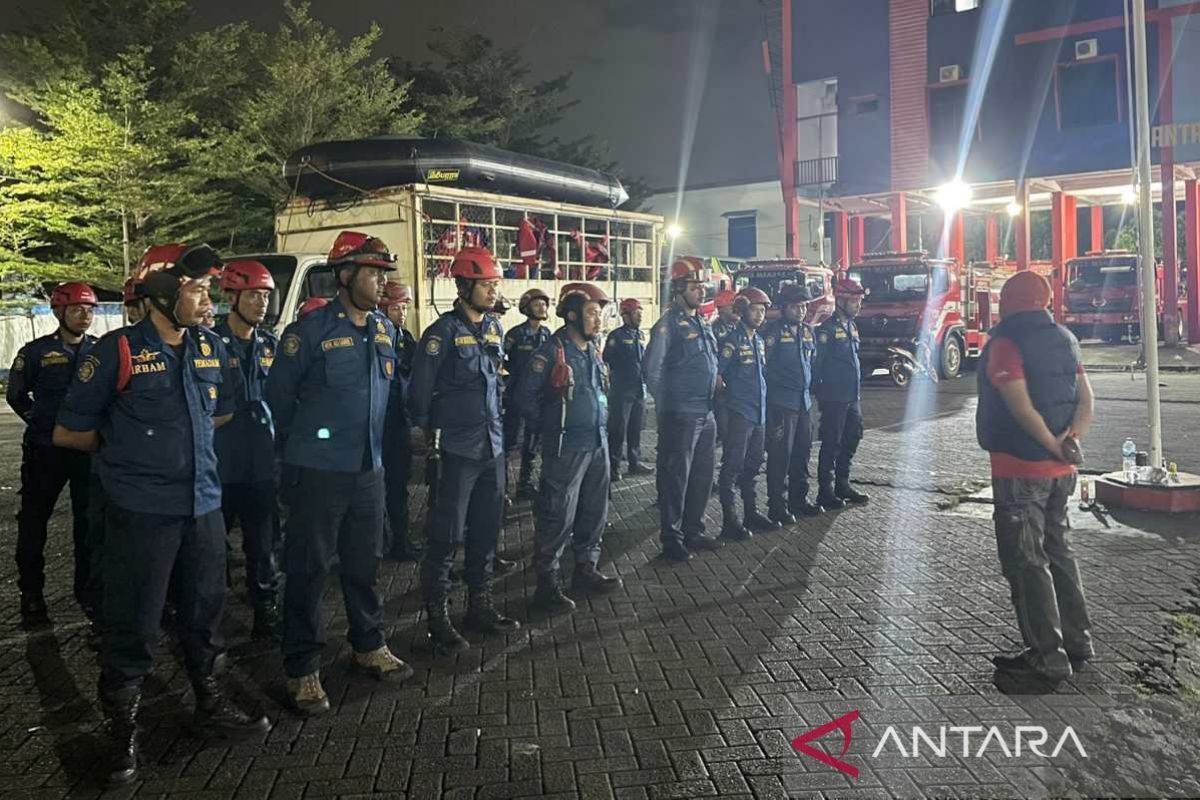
[350, 291]
[470, 293]
[237, 309]
[167, 311]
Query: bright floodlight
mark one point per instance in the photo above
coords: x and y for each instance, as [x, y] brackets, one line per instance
[1013, 208]
[1128, 196]
[674, 231]
[953, 196]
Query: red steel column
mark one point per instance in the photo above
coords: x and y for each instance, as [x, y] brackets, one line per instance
[991, 245]
[957, 246]
[841, 238]
[1097, 228]
[858, 243]
[1191, 206]
[1058, 237]
[899, 207]
[1021, 226]
[1166, 115]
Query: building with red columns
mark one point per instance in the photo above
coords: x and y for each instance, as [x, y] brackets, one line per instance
[882, 103]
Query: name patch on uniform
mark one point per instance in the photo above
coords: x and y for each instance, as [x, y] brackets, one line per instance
[333, 344]
[465, 341]
[87, 369]
[266, 361]
[492, 338]
[692, 335]
[839, 334]
[787, 338]
[54, 357]
[153, 366]
[291, 344]
[206, 363]
[382, 338]
[433, 346]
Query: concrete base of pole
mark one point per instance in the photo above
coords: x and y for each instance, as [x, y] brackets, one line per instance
[1169, 497]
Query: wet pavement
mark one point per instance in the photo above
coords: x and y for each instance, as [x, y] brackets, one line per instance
[693, 680]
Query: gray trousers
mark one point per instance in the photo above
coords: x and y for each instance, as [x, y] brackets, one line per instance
[571, 505]
[741, 459]
[1033, 541]
[685, 474]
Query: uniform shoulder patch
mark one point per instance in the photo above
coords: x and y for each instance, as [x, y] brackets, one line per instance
[19, 363]
[823, 337]
[728, 351]
[433, 345]
[291, 344]
[87, 369]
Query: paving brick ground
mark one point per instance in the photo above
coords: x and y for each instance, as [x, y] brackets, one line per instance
[692, 680]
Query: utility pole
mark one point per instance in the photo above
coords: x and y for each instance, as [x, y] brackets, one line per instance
[1146, 231]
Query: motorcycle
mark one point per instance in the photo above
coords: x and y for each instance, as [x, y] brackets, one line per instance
[903, 366]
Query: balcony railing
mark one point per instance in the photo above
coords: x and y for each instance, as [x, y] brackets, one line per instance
[817, 171]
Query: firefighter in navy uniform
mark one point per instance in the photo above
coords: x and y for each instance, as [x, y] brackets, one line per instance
[791, 346]
[624, 351]
[726, 321]
[680, 371]
[37, 384]
[397, 430]
[328, 391]
[744, 387]
[563, 399]
[246, 446]
[519, 346]
[149, 396]
[455, 399]
[837, 380]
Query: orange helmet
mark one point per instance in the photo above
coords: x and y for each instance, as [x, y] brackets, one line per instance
[587, 291]
[246, 275]
[72, 294]
[752, 295]
[848, 287]
[395, 294]
[360, 249]
[689, 268]
[312, 304]
[475, 264]
[724, 298]
[630, 304]
[529, 296]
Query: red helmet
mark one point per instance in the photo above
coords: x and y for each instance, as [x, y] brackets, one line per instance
[72, 294]
[159, 256]
[131, 291]
[589, 292]
[246, 275]
[360, 249]
[180, 260]
[689, 268]
[793, 293]
[630, 304]
[395, 294]
[475, 264]
[752, 295]
[312, 304]
[725, 297]
[529, 296]
[848, 287]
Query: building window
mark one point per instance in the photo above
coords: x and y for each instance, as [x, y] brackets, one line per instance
[939, 7]
[743, 236]
[947, 104]
[1088, 92]
[865, 104]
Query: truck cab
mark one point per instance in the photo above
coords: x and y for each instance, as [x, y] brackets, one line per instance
[772, 274]
[1104, 297]
[298, 276]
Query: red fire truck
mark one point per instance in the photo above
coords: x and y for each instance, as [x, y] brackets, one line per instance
[771, 274]
[914, 301]
[1104, 296]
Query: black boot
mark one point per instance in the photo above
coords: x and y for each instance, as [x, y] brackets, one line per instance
[266, 621]
[589, 578]
[502, 566]
[120, 711]
[733, 530]
[806, 509]
[639, 469]
[525, 488]
[829, 501]
[482, 615]
[549, 596]
[758, 523]
[33, 611]
[444, 639]
[846, 492]
[216, 713]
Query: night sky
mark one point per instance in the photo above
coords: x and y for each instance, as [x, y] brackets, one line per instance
[650, 74]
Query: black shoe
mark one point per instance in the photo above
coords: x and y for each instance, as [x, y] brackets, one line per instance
[757, 523]
[34, 613]
[1080, 663]
[806, 509]
[829, 501]
[502, 566]
[639, 469]
[847, 493]
[549, 597]
[404, 552]
[483, 617]
[120, 711]
[444, 640]
[677, 553]
[614, 475]
[782, 517]
[216, 713]
[266, 621]
[526, 490]
[702, 542]
[1020, 665]
[589, 578]
[735, 532]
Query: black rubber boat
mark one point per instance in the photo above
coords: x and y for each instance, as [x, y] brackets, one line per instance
[322, 170]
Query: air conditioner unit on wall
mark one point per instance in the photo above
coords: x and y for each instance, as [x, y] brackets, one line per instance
[948, 73]
[1086, 48]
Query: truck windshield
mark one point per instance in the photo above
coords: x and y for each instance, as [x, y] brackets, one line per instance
[1096, 273]
[771, 283]
[894, 284]
[283, 270]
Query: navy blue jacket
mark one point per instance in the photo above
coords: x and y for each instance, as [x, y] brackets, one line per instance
[624, 352]
[456, 384]
[329, 389]
[520, 343]
[38, 381]
[680, 369]
[741, 367]
[584, 424]
[156, 453]
[837, 374]
[790, 350]
[397, 413]
[721, 328]
[246, 444]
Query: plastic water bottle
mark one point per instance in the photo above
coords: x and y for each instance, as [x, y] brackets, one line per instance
[1129, 460]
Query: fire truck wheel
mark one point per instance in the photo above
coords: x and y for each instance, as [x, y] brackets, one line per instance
[950, 357]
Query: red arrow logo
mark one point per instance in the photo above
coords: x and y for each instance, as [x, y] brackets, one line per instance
[842, 723]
